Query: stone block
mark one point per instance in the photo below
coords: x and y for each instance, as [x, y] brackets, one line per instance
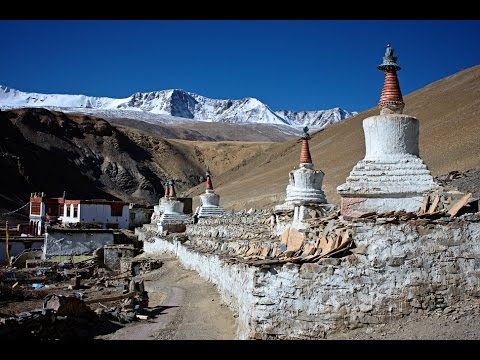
[310, 268]
[295, 240]
[396, 261]
[415, 303]
[330, 261]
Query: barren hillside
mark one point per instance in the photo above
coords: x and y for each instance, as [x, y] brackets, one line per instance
[208, 131]
[51, 152]
[449, 115]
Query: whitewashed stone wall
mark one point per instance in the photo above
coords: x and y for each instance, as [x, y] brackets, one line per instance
[406, 267]
[236, 226]
[75, 242]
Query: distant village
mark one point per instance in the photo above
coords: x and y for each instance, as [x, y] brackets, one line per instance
[61, 226]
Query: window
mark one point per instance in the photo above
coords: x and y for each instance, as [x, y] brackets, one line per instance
[75, 211]
[116, 209]
[68, 210]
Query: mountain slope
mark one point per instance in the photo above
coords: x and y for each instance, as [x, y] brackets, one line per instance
[174, 103]
[448, 111]
[48, 151]
[206, 131]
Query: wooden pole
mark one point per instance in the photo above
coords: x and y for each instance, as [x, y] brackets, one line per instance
[7, 256]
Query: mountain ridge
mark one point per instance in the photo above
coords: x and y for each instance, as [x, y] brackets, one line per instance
[177, 103]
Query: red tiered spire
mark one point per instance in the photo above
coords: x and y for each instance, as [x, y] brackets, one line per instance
[172, 193]
[166, 190]
[305, 157]
[391, 93]
[391, 99]
[209, 183]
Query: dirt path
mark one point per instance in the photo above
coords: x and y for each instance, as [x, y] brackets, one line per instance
[185, 307]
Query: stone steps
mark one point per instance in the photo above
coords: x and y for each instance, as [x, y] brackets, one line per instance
[210, 211]
[389, 176]
[392, 179]
[174, 219]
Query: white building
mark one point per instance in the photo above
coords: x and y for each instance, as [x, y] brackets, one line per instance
[109, 214]
[43, 210]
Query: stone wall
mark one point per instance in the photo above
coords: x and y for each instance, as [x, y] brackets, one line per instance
[396, 269]
[75, 242]
[16, 246]
[240, 225]
[139, 216]
[114, 253]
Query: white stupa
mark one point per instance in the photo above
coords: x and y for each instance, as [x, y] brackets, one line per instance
[209, 202]
[158, 209]
[305, 185]
[172, 209]
[391, 176]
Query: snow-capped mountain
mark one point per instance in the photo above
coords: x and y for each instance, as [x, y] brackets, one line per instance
[171, 105]
[316, 119]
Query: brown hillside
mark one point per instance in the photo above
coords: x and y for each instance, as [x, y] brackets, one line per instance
[449, 115]
[49, 151]
[211, 131]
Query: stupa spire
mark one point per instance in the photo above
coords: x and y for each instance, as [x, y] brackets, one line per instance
[391, 100]
[171, 185]
[305, 157]
[165, 189]
[209, 180]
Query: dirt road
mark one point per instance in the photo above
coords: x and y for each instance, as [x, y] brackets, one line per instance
[185, 307]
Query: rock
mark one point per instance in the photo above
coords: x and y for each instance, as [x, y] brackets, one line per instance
[99, 311]
[67, 306]
[295, 240]
[448, 310]
[415, 303]
[396, 261]
[365, 307]
[362, 249]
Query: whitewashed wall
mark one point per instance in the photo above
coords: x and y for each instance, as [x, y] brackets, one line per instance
[407, 267]
[75, 242]
[100, 214]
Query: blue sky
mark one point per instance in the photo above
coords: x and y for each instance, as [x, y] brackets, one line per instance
[287, 64]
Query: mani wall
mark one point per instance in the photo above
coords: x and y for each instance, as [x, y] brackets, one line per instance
[393, 268]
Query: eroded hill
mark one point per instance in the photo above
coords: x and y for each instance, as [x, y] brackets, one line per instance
[51, 152]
